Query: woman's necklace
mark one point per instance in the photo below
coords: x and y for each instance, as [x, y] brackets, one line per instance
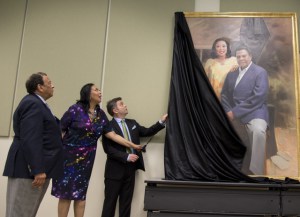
[92, 114]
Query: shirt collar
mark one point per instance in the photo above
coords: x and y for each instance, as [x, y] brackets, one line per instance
[245, 69]
[44, 101]
[118, 119]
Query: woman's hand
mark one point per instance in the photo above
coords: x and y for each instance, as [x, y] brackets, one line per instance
[234, 67]
[136, 147]
[119, 139]
[164, 118]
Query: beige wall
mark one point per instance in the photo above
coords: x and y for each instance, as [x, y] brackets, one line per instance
[67, 40]
[260, 5]
[11, 26]
[138, 62]
[62, 38]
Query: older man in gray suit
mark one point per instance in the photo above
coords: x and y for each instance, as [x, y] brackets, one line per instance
[244, 98]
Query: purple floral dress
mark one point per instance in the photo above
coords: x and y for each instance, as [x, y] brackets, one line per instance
[79, 145]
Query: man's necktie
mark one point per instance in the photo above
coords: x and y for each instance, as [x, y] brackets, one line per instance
[126, 135]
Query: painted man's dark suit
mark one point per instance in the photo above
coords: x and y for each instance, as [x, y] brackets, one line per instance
[120, 174]
[248, 101]
[37, 145]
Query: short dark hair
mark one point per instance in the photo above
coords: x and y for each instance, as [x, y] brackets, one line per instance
[243, 47]
[111, 104]
[33, 81]
[214, 51]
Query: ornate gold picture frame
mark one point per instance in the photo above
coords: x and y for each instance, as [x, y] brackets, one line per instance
[273, 39]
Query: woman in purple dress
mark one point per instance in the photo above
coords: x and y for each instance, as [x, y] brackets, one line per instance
[82, 125]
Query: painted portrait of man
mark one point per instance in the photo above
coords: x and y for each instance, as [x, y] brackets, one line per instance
[272, 44]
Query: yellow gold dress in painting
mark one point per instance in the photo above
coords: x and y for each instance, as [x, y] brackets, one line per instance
[217, 71]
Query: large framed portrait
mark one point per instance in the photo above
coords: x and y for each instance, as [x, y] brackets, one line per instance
[273, 44]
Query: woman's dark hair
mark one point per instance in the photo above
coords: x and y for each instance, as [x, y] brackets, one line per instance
[33, 81]
[213, 53]
[85, 96]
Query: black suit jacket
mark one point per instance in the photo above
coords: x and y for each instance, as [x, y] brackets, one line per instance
[37, 144]
[116, 163]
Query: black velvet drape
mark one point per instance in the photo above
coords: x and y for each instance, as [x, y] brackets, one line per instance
[200, 144]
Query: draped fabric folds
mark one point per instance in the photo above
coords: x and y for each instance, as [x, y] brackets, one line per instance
[200, 143]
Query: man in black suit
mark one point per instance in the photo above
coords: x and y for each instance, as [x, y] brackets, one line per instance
[122, 163]
[35, 155]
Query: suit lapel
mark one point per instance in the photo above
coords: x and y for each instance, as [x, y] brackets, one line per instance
[232, 80]
[43, 104]
[116, 127]
[235, 76]
[246, 76]
[118, 130]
